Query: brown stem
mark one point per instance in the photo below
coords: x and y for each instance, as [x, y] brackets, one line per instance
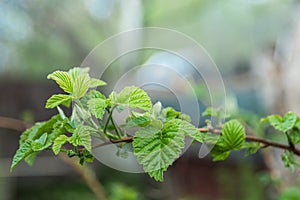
[265, 142]
[87, 174]
[13, 124]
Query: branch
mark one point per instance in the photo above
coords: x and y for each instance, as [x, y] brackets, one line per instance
[265, 142]
[13, 124]
[259, 140]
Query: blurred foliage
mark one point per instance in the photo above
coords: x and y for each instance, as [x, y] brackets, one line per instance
[75, 190]
[244, 183]
[39, 37]
[119, 191]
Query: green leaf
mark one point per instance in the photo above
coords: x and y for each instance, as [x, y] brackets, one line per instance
[81, 86]
[282, 124]
[30, 158]
[96, 103]
[233, 135]
[57, 99]
[97, 107]
[295, 136]
[289, 160]
[63, 80]
[132, 97]
[186, 128]
[215, 112]
[138, 119]
[158, 175]
[96, 82]
[39, 129]
[39, 144]
[24, 151]
[170, 113]
[251, 147]
[82, 137]
[87, 156]
[58, 142]
[219, 153]
[77, 71]
[156, 110]
[156, 149]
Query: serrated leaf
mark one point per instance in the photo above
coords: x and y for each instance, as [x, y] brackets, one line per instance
[132, 97]
[251, 147]
[219, 152]
[39, 129]
[282, 124]
[96, 82]
[81, 86]
[138, 119]
[97, 104]
[58, 142]
[289, 160]
[233, 135]
[24, 151]
[186, 128]
[63, 80]
[170, 113]
[158, 175]
[31, 131]
[156, 149]
[30, 158]
[295, 136]
[57, 99]
[82, 137]
[76, 71]
[39, 144]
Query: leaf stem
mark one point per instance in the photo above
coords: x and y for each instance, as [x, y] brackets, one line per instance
[109, 118]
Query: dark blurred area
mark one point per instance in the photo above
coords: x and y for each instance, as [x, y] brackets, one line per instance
[255, 45]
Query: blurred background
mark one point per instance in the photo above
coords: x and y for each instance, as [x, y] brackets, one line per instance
[254, 43]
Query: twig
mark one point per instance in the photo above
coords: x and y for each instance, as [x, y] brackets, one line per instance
[265, 142]
[87, 174]
[13, 124]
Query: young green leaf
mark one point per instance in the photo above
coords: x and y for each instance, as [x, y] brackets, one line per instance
[76, 71]
[39, 129]
[57, 99]
[132, 97]
[289, 160]
[156, 149]
[96, 82]
[31, 157]
[251, 147]
[24, 151]
[39, 144]
[220, 152]
[82, 137]
[58, 142]
[170, 113]
[81, 86]
[282, 124]
[233, 135]
[63, 80]
[186, 128]
[96, 103]
[138, 119]
[156, 110]
[295, 136]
